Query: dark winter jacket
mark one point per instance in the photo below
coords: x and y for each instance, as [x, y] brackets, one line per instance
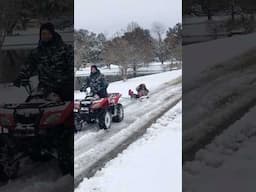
[53, 63]
[142, 90]
[96, 81]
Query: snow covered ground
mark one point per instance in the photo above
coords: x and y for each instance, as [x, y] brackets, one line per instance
[223, 84]
[39, 177]
[221, 74]
[152, 82]
[219, 101]
[93, 143]
[228, 162]
[198, 58]
[154, 67]
[152, 163]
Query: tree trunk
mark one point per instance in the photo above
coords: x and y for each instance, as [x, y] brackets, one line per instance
[134, 70]
[209, 14]
[2, 40]
[232, 13]
[124, 74]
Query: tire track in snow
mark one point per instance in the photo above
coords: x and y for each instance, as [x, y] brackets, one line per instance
[223, 103]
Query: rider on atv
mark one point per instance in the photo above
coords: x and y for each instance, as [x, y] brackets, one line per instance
[141, 91]
[97, 82]
[52, 61]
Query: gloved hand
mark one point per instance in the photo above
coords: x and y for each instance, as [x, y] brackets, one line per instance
[96, 96]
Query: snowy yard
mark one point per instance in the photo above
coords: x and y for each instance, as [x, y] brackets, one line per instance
[202, 57]
[154, 67]
[152, 82]
[92, 144]
[222, 90]
[227, 161]
[222, 76]
[40, 177]
[153, 163]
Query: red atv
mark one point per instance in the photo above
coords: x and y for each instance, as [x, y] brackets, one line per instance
[101, 110]
[38, 128]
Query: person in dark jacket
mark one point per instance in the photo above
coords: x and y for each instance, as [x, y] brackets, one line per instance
[52, 61]
[97, 82]
[141, 91]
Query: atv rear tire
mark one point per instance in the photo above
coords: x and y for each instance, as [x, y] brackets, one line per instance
[105, 119]
[120, 113]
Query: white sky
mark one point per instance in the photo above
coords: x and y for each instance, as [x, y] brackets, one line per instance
[110, 16]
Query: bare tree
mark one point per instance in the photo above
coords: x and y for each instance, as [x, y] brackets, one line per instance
[132, 26]
[160, 48]
[129, 49]
[8, 18]
[140, 43]
[158, 29]
[88, 47]
[118, 51]
[15, 15]
[173, 42]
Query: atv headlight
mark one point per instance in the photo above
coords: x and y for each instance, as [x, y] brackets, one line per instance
[51, 119]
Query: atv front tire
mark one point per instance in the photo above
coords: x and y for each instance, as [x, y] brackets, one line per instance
[105, 119]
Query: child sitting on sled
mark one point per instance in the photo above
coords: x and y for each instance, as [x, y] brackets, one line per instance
[141, 91]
